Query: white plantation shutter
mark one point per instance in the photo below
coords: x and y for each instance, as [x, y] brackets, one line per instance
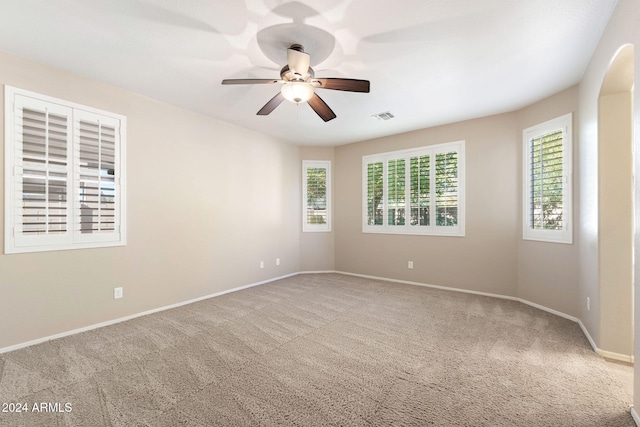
[375, 190]
[63, 174]
[546, 152]
[420, 192]
[547, 195]
[96, 209]
[40, 187]
[316, 195]
[396, 192]
[446, 179]
[427, 183]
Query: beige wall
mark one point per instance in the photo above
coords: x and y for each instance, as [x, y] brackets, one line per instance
[485, 259]
[492, 257]
[207, 201]
[548, 272]
[317, 249]
[622, 29]
[615, 222]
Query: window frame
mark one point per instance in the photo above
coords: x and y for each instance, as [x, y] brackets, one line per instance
[407, 229]
[316, 164]
[73, 237]
[565, 235]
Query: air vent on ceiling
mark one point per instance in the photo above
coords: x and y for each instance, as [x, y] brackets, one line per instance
[384, 116]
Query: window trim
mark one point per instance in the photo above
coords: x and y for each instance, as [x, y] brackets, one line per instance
[318, 164]
[565, 235]
[408, 229]
[71, 239]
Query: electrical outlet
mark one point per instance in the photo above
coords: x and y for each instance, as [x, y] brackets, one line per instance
[410, 265]
[277, 261]
[117, 293]
[261, 264]
[588, 304]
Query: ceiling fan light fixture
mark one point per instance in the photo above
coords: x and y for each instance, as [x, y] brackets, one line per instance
[297, 91]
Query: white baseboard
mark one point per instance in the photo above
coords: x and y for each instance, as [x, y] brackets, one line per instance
[588, 335]
[467, 291]
[635, 416]
[317, 272]
[603, 353]
[133, 316]
[616, 356]
[444, 288]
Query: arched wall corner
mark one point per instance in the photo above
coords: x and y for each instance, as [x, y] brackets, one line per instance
[620, 72]
[615, 193]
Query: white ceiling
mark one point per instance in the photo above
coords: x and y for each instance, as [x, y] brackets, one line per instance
[430, 62]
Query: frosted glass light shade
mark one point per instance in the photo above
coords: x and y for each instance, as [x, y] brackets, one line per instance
[297, 91]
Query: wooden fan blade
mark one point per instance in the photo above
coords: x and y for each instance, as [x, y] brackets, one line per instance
[349, 85]
[321, 108]
[298, 60]
[271, 105]
[249, 81]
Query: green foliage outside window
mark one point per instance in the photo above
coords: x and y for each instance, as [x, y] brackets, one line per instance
[446, 190]
[374, 193]
[420, 192]
[547, 182]
[395, 187]
[316, 195]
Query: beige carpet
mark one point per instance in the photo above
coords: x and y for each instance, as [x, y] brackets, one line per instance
[316, 350]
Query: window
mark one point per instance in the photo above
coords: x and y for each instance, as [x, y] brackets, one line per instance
[547, 181]
[417, 191]
[316, 195]
[64, 175]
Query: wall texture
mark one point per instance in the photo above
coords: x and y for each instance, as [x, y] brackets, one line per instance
[492, 257]
[206, 202]
[548, 272]
[485, 259]
[621, 30]
[615, 222]
[317, 249]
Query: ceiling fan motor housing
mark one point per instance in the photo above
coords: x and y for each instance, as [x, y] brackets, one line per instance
[297, 47]
[289, 76]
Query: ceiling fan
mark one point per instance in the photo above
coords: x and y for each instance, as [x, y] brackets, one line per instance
[299, 84]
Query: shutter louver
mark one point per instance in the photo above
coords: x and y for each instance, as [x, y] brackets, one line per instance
[41, 184]
[396, 191]
[96, 210]
[546, 180]
[316, 196]
[420, 194]
[374, 193]
[447, 189]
